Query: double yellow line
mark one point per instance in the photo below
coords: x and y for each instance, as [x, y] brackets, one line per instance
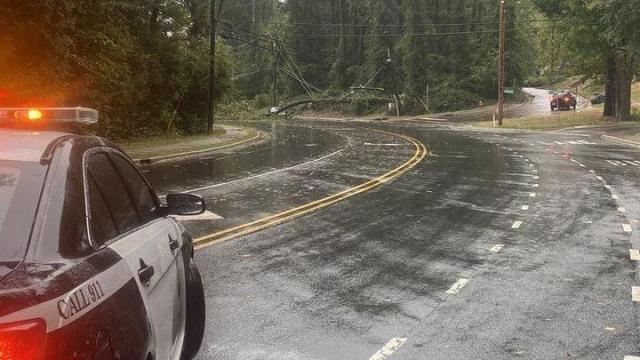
[273, 220]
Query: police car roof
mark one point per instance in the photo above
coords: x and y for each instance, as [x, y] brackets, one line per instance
[25, 145]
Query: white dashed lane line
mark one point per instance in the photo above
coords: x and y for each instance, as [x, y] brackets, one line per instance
[631, 357]
[455, 288]
[635, 294]
[517, 224]
[622, 210]
[525, 207]
[627, 228]
[392, 346]
[634, 254]
[533, 195]
[578, 163]
[497, 248]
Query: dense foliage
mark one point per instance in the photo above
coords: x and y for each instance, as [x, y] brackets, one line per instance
[603, 43]
[142, 63]
[439, 54]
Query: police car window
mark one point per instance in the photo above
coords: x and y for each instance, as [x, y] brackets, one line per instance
[103, 223]
[142, 194]
[20, 186]
[8, 183]
[116, 196]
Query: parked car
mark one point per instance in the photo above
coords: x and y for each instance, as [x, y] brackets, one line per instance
[91, 264]
[598, 99]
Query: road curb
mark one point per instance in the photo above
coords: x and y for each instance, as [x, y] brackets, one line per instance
[155, 159]
[620, 141]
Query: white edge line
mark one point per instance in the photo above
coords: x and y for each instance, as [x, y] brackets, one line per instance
[392, 346]
[455, 288]
[262, 175]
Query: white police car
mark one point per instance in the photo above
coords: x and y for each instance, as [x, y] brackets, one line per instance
[91, 264]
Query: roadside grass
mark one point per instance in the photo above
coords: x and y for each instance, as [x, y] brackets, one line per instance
[555, 121]
[160, 145]
[155, 141]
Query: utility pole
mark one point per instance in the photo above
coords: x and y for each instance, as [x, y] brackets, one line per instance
[212, 70]
[253, 11]
[212, 65]
[275, 74]
[501, 65]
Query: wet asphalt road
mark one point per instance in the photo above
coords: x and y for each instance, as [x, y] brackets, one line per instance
[497, 246]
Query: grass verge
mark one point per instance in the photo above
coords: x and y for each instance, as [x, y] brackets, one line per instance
[174, 144]
[555, 121]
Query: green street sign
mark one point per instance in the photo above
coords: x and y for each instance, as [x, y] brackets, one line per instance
[508, 91]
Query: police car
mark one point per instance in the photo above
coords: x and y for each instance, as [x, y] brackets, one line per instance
[92, 266]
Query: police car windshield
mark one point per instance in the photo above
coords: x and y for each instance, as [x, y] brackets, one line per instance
[20, 185]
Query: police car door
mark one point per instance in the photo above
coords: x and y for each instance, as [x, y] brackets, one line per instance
[148, 242]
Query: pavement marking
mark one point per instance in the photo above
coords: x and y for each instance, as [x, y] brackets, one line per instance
[392, 346]
[600, 178]
[536, 185]
[497, 248]
[577, 162]
[531, 165]
[533, 195]
[624, 162]
[622, 210]
[627, 229]
[279, 218]
[634, 254]
[517, 224]
[207, 215]
[614, 197]
[265, 174]
[370, 144]
[592, 171]
[455, 288]
[631, 357]
[525, 207]
[635, 294]
[608, 187]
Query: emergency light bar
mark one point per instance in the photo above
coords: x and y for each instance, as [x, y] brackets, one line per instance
[25, 116]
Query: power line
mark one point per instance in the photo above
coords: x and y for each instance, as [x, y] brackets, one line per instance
[555, 20]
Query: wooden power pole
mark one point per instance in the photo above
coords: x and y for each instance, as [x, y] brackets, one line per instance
[501, 65]
[275, 74]
[212, 65]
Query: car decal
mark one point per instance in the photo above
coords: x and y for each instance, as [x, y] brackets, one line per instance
[32, 284]
[65, 309]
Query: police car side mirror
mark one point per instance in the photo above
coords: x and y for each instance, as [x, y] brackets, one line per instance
[185, 204]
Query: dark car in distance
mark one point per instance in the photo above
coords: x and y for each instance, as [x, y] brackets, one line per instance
[563, 101]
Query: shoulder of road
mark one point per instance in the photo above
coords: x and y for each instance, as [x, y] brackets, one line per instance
[153, 150]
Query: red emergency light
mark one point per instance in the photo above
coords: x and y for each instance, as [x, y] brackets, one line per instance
[23, 341]
[26, 116]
